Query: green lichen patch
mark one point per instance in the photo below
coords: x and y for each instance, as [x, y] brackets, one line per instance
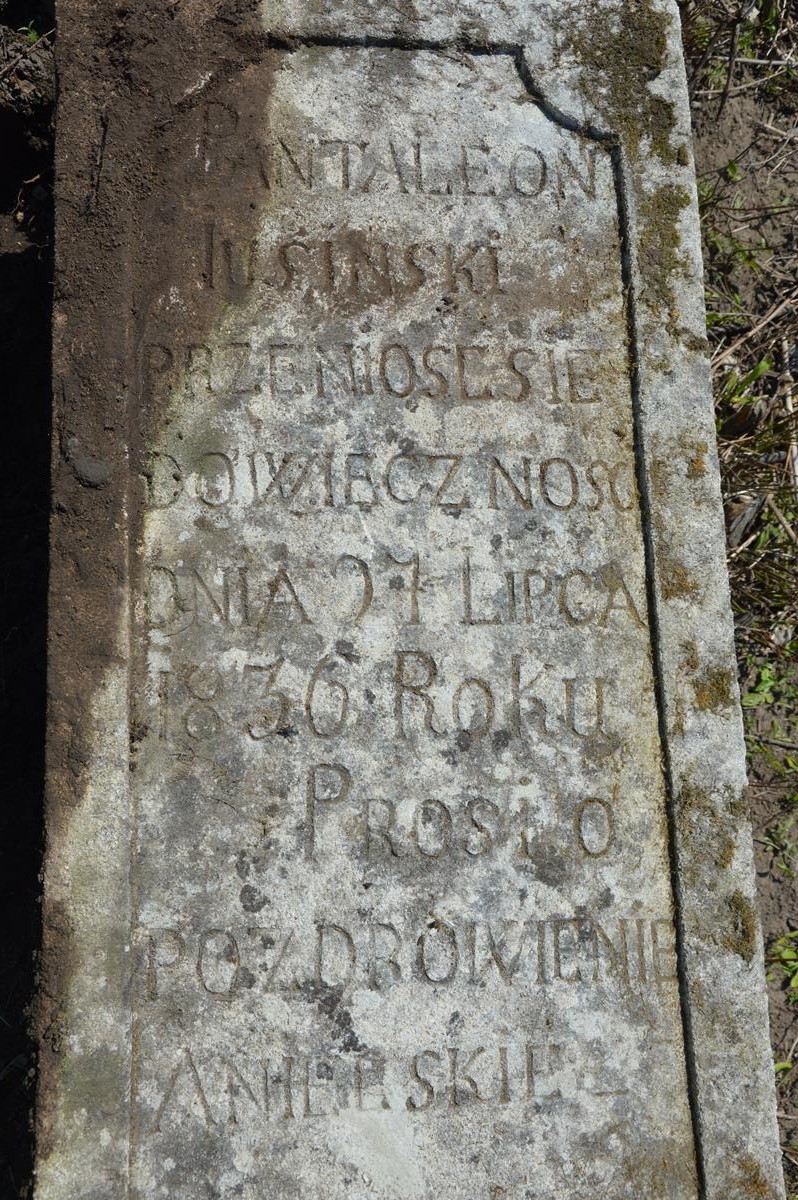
[710, 827]
[753, 1180]
[714, 689]
[690, 655]
[660, 254]
[739, 806]
[724, 854]
[622, 53]
[697, 465]
[676, 582]
[741, 936]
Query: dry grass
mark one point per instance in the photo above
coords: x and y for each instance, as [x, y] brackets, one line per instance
[750, 212]
[743, 56]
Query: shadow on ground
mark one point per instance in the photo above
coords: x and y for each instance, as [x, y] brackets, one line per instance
[26, 100]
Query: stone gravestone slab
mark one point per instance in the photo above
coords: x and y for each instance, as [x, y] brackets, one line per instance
[397, 837]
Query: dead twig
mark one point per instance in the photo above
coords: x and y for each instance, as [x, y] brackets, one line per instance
[759, 62]
[773, 742]
[782, 520]
[774, 129]
[770, 316]
[786, 383]
[744, 545]
[732, 56]
[30, 50]
[744, 87]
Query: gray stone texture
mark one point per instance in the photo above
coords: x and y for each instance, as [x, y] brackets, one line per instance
[397, 832]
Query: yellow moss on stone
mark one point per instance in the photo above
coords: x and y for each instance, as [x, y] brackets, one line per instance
[739, 806]
[622, 53]
[660, 244]
[690, 659]
[708, 826]
[741, 938]
[753, 1180]
[698, 995]
[679, 724]
[724, 854]
[697, 466]
[693, 798]
[714, 689]
[676, 582]
[658, 476]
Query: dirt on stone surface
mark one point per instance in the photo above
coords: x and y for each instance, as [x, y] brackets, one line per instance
[142, 88]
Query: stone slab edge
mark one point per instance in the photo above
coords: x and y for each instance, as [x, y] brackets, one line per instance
[605, 65]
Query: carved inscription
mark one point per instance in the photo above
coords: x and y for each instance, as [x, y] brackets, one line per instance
[399, 731]
[420, 166]
[303, 480]
[281, 1088]
[228, 963]
[532, 375]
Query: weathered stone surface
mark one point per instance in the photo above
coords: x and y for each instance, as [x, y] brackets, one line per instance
[397, 836]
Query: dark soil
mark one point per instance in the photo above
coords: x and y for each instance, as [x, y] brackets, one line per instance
[27, 93]
[24, 487]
